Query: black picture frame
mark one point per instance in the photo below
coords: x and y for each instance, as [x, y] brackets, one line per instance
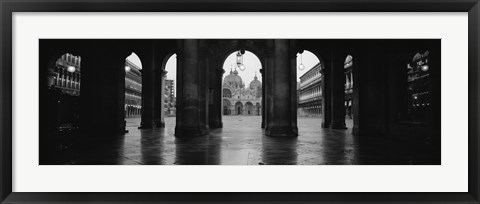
[7, 8]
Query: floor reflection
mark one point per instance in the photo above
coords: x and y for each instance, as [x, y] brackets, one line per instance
[198, 150]
[151, 147]
[240, 142]
[279, 150]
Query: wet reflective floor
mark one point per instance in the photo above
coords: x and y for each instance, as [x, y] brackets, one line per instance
[240, 142]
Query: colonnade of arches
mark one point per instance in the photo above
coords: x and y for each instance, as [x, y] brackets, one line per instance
[199, 81]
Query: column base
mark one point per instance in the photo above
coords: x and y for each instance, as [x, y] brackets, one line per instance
[216, 125]
[190, 131]
[325, 125]
[146, 125]
[281, 131]
[104, 131]
[356, 131]
[338, 125]
[160, 124]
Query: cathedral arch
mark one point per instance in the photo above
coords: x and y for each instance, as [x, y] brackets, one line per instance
[238, 108]
[226, 107]
[227, 93]
[248, 108]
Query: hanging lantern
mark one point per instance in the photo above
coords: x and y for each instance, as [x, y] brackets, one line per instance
[71, 69]
[240, 64]
[301, 67]
[242, 67]
[239, 59]
[425, 67]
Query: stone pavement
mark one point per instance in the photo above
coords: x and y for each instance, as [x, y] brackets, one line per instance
[240, 142]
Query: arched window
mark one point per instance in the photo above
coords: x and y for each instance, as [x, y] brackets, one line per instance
[226, 107]
[227, 93]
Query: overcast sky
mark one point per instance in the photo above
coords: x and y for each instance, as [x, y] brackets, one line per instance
[251, 62]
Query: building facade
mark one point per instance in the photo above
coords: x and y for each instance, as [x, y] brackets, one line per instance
[348, 67]
[65, 74]
[170, 100]
[310, 92]
[238, 99]
[418, 88]
[133, 90]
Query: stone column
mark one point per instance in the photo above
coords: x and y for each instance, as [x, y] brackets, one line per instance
[281, 123]
[215, 106]
[293, 85]
[245, 109]
[48, 109]
[203, 85]
[263, 98]
[359, 62]
[337, 90]
[370, 96]
[162, 116]
[159, 90]
[103, 90]
[326, 94]
[435, 65]
[268, 79]
[191, 100]
[149, 63]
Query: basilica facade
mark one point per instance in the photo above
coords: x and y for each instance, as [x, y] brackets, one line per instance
[238, 99]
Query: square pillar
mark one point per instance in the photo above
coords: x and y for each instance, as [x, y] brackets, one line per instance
[149, 63]
[268, 85]
[215, 97]
[337, 87]
[191, 80]
[262, 109]
[282, 112]
[326, 95]
[159, 103]
[103, 90]
[358, 76]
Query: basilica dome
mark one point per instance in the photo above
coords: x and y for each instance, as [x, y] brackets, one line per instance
[255, 83]
[233, 79]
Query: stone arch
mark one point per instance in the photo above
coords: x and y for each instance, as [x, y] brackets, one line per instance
[226, 107]
[248, 108]
[313, 48]
[226, 93]
[311, 63]
[167, 57]
[52, 51]
[238, 108]
[249, 45]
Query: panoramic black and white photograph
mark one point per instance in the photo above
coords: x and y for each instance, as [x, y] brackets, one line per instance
[240, 101]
